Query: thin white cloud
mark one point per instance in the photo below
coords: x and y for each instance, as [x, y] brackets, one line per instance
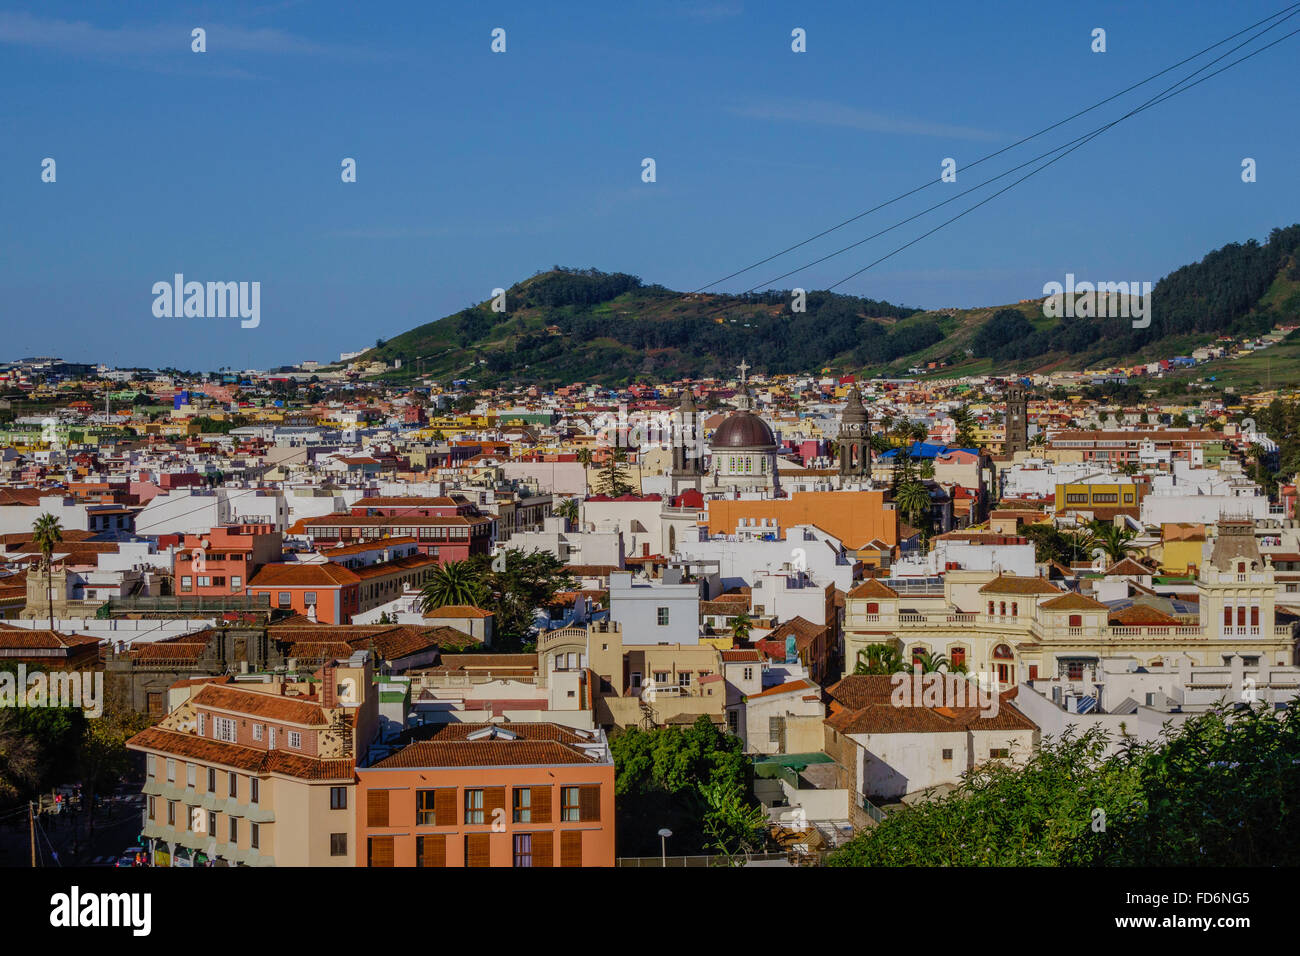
[825, 113]
[81, 38]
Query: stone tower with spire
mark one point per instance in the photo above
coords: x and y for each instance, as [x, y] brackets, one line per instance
[1017, 421]
[855, 437]
[688, 462]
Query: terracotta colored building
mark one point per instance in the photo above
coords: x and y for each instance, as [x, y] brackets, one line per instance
[527, 794]
[855, 517]
[223, 561]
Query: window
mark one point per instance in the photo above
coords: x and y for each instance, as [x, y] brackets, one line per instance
[187, 583]
[205, 581]
[523, 809]
[684, 679]
[259, 730]
[151, 764]
[377, 808]
[379, 851]
[223, 728]
[338, 798]
[661, 677]
[663, 616]
[237, 585]
[947, 753]
[171, 771]
[283, 599]
[426, 808]
[749, 673]
[295, 740]
[338, 844]
[191, 775]
[212, 780]
[254, 833]
[234, 829]
[571, 848]
[254, 789]
[212, 823]
[477, 849]
[309, 598]
[473, 806]
[171, 813]
[153, 809]
[431, 850]
[203, 721]
[523, 847]
[1000, 753]
[234, 785]
[569, 812]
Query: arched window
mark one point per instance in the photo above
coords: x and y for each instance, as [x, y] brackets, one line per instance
[957, 657]
[1015, 609]
[1002, 608]
[1002, 653]
[990, 608]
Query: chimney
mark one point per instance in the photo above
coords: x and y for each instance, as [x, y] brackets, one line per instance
[328, 687]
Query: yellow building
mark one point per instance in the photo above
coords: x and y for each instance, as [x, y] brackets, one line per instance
[1086, 496]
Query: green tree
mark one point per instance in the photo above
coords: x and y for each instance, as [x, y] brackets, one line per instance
[741, 625]
[454, 583]
[660, 781]
[613, 480]
[568, 510]
[913, 501]
[878, 659]
[1115, 541]
[46, 533]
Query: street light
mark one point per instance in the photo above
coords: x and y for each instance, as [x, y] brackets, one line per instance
[664, 834]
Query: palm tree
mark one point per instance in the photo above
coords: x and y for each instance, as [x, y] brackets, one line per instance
[568, 510]
[929, 663]
[878, 659]
[46, 533]
[913, 502]
[741, 625]
[1115, 541]
[456, 582]
[584, 457]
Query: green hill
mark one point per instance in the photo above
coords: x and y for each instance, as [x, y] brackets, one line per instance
[567, 325]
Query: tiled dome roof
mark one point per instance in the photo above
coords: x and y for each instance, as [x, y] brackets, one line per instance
[743, 430]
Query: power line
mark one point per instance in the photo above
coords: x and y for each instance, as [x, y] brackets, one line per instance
[1051, 162]
[982, 159]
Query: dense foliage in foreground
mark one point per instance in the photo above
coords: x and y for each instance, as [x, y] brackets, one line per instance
[1219, 791]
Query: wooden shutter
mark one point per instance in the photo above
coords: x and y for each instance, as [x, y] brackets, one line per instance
[543, 848]
[433, 850]
[588, 804]
[476, 849]
[376, 808]
[381, 851]
[541, 806]
[494, 799]
[571, 848]
[444, 807]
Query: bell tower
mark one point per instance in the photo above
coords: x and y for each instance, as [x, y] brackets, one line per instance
[1017, 421]
[855, 437]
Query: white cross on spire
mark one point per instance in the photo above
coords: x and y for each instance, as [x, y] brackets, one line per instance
[743, 369]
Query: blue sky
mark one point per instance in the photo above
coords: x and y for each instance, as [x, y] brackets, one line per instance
[477, 169]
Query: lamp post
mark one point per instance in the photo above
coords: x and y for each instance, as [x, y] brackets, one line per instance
[664, 834]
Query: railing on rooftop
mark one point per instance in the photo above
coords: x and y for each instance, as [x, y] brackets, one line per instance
[181, 602]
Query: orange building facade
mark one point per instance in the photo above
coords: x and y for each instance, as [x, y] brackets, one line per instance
[481, 795]
[855, 517]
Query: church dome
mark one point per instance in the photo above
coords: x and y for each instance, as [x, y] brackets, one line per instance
[743, 430]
